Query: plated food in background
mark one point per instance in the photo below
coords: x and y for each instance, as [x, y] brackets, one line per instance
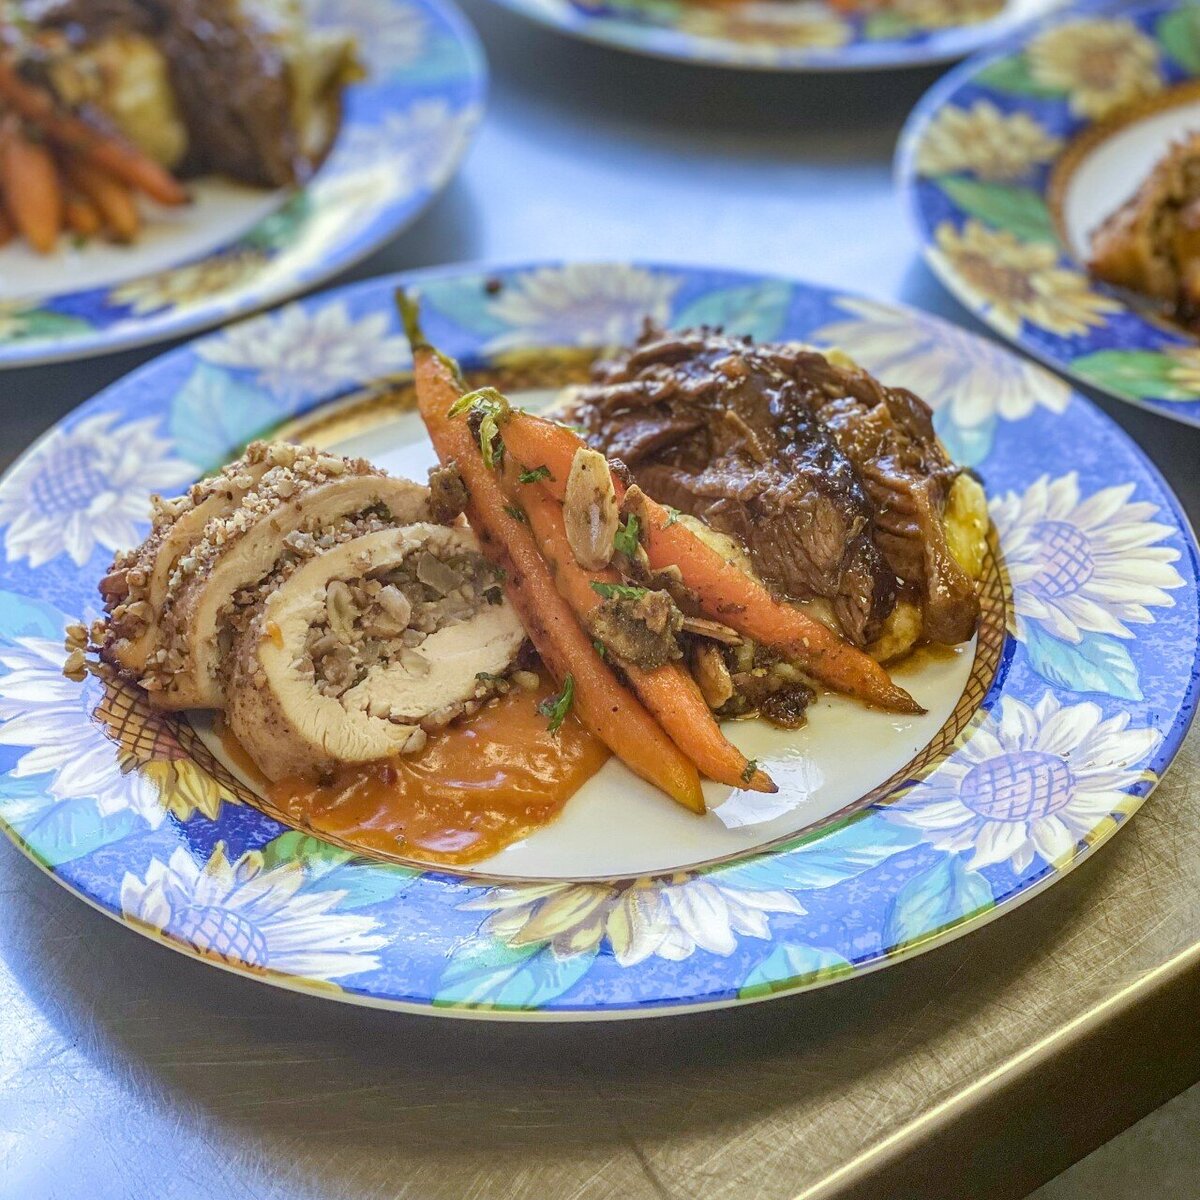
[340, 617]
[1151, 244]
[567, 884]
[785, 35]
[1054, 186]
[101, 105]
[193, 162]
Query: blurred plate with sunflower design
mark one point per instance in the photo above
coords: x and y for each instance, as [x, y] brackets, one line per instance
[791, 35]
[888, 836]
[236, 250]
[1011, 161]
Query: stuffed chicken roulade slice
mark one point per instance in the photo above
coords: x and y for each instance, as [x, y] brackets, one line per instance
[366, 649]
[135, 591]
[299, 510]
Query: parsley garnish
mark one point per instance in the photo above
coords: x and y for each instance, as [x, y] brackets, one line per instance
[487, 677]
[749, 770]
[556, 707]
[600, 648]
[536, 474]
[618, 591]
[516, 513]
[626, 537]
[493, 409]
[673, 515]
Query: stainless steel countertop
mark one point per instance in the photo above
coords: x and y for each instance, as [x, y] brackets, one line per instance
[977, 1070]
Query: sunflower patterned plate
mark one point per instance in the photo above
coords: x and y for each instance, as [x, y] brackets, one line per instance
[1013, 159]
[238, 249]
[887, 836]
[789, 35]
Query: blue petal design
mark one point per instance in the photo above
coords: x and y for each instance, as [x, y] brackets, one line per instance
[935, 899]
[58, 831]
[792, 964]
[967, 445]
[22, 616]
[485, 972]
[829, 859]
[1099, 663]
[758, 310]
[214, 411]
[331, 869]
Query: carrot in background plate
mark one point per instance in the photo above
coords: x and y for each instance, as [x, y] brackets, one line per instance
[82, 216]
[669, 692]
[724, 592]
[32, 188]
[112, 199]
[107, 150]
[609, 710]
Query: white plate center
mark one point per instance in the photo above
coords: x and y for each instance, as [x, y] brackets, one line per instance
[618, 825]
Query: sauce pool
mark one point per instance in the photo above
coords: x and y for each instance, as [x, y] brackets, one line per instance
[477, 787]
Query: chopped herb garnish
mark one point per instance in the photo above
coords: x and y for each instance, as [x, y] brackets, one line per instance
[749, 770]
[618, 591]
[555, 708]
[487, 677]
[500, 573]
[600, 648]
[492, 409]
[493, 595]
[673, 515]
[517, 514]
[538, 473]
[626, 537]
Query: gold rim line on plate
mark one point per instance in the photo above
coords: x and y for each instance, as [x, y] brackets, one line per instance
[146, 735]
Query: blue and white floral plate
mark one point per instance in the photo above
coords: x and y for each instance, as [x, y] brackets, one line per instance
[789, 35]
[887, 837]
[236, 249]
[1009, 163]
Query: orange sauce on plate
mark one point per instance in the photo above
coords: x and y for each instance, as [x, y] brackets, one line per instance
[478, 786]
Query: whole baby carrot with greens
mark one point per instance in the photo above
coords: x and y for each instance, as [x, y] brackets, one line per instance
[669, 692]
[724, 592]
[607, 709]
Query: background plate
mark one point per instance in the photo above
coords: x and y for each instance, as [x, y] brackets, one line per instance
[1093, 692]
[406, 127]
[977, 162]
[782, 35]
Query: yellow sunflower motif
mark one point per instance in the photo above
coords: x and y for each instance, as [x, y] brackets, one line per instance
[767, 26]
[939, 14]
[147, 743]
[986, 142]
[1014, 281]
[186, 285]
[668, 917]
[1101, 64]
[1184, 371]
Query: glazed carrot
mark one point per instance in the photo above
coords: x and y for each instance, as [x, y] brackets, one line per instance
[606, 708]
[669, 692]
[82, 216]
[107, 150]
[110, 197]
[32, 187]
[725, 592]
